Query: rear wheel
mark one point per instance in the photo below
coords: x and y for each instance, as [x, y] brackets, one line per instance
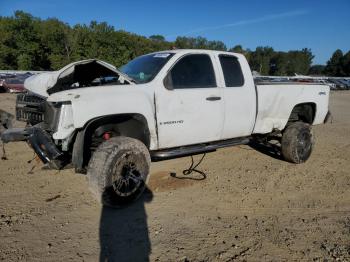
[118, 171]
[297, 142]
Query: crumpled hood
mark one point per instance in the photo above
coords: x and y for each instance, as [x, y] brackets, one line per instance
[41, 82]
[46, 83]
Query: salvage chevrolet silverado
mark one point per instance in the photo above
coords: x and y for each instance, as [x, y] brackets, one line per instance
[110, 123]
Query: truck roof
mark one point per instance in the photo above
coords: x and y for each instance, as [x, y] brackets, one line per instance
[184, 51]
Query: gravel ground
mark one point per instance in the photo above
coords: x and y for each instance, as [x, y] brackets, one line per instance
[251, 207]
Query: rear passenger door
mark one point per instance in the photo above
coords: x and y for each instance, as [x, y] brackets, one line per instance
[239, 96]
[190, 104]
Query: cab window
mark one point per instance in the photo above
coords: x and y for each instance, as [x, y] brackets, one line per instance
[232, 71]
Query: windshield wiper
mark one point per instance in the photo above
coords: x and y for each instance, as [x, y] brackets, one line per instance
[133, 80]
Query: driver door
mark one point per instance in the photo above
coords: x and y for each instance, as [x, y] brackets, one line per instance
[190, 107]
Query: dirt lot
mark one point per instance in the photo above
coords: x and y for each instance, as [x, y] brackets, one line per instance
[251, 207]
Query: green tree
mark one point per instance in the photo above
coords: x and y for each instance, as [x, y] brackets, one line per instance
[158, 38]
[278, 64]
[334, 65]
[260, 59]
[317, 70]
[199, 42]
[30, 43]
[20, 42]
[345, 64]
[55, 36]
[237, 49]
[299, 62]
[216, 45]
[7, 44]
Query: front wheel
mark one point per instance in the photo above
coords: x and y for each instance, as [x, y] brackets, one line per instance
[118, 171]
[297, 142]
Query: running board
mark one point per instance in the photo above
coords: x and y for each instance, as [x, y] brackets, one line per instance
[196, 149]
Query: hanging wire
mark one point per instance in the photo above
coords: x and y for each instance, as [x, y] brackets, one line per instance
[31, 160]
[30, 172]
[191, 169]
[4, 157]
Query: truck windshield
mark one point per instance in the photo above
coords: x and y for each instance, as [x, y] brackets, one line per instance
[144, 68]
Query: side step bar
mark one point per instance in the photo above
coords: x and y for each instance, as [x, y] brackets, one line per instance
[176, 152]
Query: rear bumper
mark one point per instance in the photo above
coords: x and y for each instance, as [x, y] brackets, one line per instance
[39, 140]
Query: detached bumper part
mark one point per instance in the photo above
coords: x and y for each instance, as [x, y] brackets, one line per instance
[39, 140]
[5, 120]
[14, 134]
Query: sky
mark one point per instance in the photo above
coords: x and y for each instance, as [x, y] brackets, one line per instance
[323, 25]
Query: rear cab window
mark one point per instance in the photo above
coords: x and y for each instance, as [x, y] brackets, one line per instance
[232, 71]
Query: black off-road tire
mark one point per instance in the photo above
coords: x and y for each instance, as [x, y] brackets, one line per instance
[297, 142]
[114, 162]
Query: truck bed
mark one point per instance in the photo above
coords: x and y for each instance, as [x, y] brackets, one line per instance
[276, 101]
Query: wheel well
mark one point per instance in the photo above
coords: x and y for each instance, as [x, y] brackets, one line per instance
[92, 135]
[304, 112]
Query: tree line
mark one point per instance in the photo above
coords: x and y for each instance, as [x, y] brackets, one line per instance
[31, 43]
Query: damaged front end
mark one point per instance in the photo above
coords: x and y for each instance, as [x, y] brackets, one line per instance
[80, 74]
[38, 139]
[50, 125]
[41, 118]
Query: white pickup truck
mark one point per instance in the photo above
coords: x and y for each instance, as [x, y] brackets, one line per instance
[112, 122]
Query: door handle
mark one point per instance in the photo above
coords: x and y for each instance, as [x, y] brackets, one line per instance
[213, 98]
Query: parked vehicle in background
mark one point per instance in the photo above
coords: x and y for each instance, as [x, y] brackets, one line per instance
[159, 106]
[3, 77]
[14, 83]
[2, 88]
[6, 75]
[345, 82]
[331, 85]
[338, 84]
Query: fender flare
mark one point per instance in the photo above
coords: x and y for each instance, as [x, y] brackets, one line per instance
[80, 155]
